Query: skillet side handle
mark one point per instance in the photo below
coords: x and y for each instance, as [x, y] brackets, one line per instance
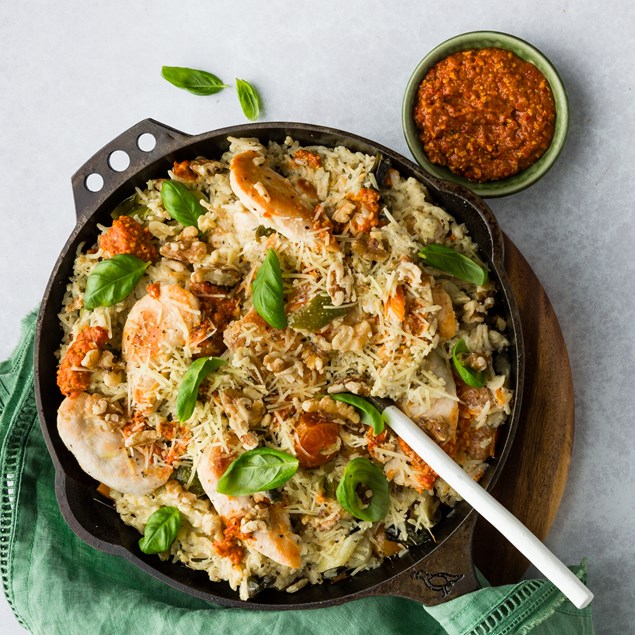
[445, 575]
[166, 140]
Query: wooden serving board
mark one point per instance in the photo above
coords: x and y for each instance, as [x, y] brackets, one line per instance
[532, 482]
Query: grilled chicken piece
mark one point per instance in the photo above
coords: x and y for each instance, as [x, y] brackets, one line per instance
[100, 448]
[277, 541]
[272, 199]
[157, 324]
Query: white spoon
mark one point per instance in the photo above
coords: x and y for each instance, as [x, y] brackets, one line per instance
[486, 505]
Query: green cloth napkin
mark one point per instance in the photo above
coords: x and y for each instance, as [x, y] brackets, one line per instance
[57, 584]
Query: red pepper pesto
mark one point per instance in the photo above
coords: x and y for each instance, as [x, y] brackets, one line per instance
[486, 114]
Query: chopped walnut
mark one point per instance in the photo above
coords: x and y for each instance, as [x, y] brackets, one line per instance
[313, 359]
[206, 167]
[100, 406]
[330, 406]
[221, 276]
[416, 321]
[91, 359]
[75, 304]
[352, 339]
[356, 385]
[340, 284]
[370, 247]
[175, 265]
[107, 360]
[186, 247]
[276, 362]
[409, 273]
[141, 437]
[475, 361]
[328, 516]
[485, 291]
[474, 311]
[323, 228]
[343, 212]
[252, 525]
[242, 412]
[113, 378]
[249, 441]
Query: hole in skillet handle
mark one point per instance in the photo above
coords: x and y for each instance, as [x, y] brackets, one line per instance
[104, 174]
[94, 182]
[146, 142]
[119, 160]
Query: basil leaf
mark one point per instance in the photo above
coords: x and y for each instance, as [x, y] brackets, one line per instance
[316, 314]
[454, 263]
[361, 473]
[268, 293]
[160, 530]
[191, 382]
[370, 415]
[112, 280]
[248, 98]
[181, 203]
[193, 80]
[471, 377]
[257, 470]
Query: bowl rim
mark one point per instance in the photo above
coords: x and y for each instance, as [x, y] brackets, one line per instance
[526, 51]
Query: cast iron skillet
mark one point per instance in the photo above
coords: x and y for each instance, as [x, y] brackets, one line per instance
[430, 573]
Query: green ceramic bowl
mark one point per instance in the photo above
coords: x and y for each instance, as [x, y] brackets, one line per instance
[524, 50]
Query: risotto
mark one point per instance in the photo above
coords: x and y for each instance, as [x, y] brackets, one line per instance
[234, 315]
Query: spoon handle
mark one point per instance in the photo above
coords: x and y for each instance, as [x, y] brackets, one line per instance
[488, 507]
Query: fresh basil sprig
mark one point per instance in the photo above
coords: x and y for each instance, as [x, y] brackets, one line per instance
[113, 279]
[181, 203]
[471, 377]
[248, 98]
[257, 470]
[361, 473]
[370, 415]
[160, 530]
[454, 263]
[268, 293]
[191, 382]
[193, 80]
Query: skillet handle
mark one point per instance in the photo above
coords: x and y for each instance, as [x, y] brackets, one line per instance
[447, 573]
[131, 142]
